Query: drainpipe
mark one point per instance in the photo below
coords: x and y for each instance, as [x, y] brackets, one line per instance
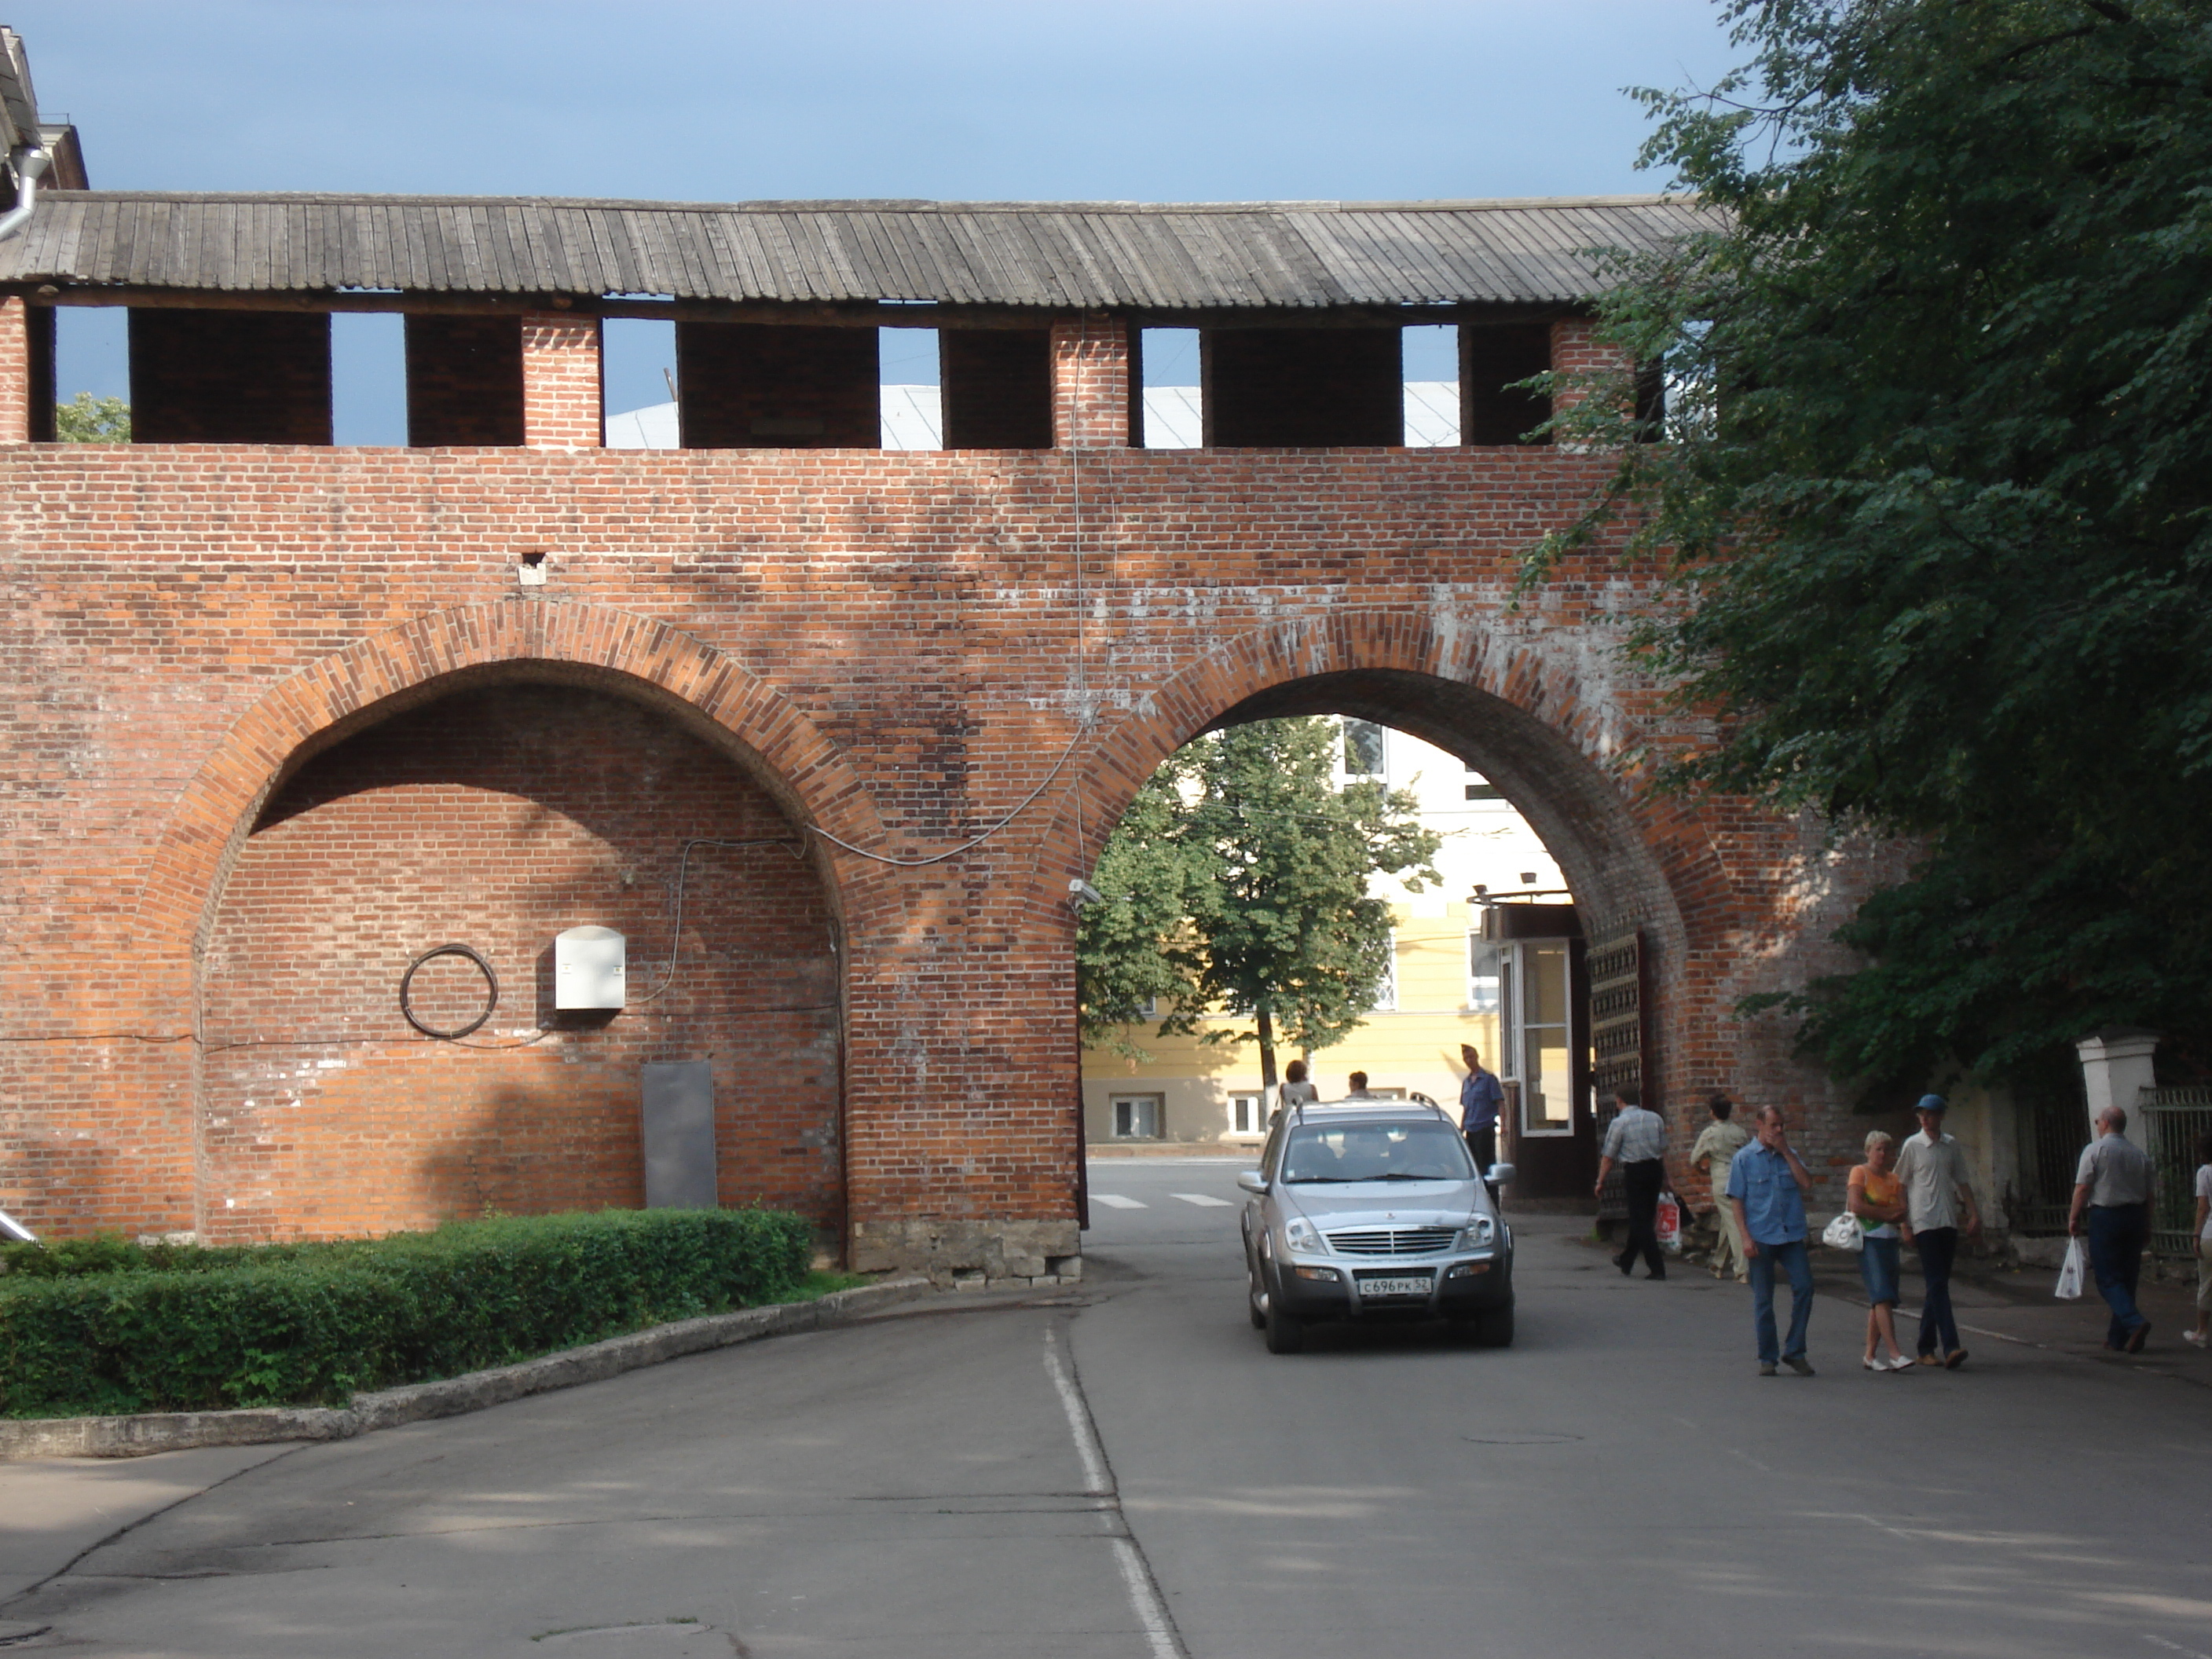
[30, 162]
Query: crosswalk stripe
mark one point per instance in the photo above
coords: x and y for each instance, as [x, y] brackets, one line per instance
[1205, 1201]
[1116, 1201]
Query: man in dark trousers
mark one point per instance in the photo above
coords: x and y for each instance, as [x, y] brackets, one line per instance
[1479, 1096]
[1637, 1142]
[2114, 1186]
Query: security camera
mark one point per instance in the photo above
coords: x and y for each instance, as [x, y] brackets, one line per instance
[1081, 892]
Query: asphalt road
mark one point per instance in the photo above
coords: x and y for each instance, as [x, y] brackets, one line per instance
[1126, 1471]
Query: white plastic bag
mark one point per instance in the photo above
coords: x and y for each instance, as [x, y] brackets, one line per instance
[1667, 1222]
[2069, 1274]
[1843, 1233]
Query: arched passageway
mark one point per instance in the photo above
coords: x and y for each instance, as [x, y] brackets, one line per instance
[498, 815]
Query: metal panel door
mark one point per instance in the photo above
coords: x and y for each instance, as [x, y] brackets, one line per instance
[679, 1136]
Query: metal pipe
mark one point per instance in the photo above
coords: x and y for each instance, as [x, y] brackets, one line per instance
[30, 162]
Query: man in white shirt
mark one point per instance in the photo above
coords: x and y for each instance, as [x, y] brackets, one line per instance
[2113, 1186]
[1932, 1169]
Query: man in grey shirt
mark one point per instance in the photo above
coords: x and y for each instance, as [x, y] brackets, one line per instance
[2113, 1185]
[1637, 1141]
[1932, 1169]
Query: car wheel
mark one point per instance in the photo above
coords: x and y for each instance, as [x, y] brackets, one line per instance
[1286, 1331]
[1252, 1302]
[1493, 1326]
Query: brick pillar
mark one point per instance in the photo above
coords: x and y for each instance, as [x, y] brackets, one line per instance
[14, 372]
[1575, 349]
[560, 399]
[1091, 383]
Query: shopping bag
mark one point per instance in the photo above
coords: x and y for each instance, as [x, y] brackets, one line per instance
[1668, 1224]
[2069, 1274]
[1843, 1233]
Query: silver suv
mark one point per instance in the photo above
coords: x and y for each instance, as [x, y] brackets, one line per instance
[1368, 1207]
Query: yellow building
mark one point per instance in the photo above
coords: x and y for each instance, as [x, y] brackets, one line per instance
[1189, 1091]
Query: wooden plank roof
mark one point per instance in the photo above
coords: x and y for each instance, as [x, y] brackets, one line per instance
[1049, 255]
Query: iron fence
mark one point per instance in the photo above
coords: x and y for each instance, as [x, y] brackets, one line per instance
[2172, 1120]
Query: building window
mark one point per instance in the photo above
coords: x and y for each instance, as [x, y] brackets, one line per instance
[1540, 1044]
[1485, 792]
[1248, 1114]
[1482, 966]
[1386, 994]
[1137, 1117]
[1365, 754]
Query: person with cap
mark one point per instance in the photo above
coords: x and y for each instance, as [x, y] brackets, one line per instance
[2113, 1185]
[1480, 1095]
[1938, 1202]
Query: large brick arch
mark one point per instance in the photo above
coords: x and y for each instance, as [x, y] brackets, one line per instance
[376, 677]
[1498, 699]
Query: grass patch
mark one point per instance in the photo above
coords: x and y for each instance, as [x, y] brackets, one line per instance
[104, 1327]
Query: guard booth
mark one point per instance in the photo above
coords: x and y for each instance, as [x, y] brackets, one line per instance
[1532, 953]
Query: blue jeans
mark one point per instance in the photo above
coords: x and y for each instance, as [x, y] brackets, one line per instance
[1795, 1261]
[1937, 1246]
[2118, 1233]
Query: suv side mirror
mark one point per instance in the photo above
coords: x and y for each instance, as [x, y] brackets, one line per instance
[1501, 1174]
[1252, 1181]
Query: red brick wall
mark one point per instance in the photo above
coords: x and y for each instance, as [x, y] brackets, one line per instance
[498, 817]
[996, 387]
[257, 377]
[750, 385]
[464, 380]
[893, 640]
[562, 406]
[15, 375]
[1310, 387]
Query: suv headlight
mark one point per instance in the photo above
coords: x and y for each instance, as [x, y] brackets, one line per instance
[1299, 1233]
[1476, 1234]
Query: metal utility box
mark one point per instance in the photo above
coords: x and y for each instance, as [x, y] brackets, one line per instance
[679, 1136]
[588, 968]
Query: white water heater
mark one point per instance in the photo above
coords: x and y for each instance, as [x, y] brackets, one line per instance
[588, 968]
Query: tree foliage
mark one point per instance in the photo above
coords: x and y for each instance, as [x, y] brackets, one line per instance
[1934, 502]
[85, 419]
[1238, 883]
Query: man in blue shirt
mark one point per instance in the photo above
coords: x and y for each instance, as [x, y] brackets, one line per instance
[1767, 1185]
[1479, 1096]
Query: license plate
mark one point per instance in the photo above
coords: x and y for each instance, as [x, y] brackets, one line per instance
[1418, 1285]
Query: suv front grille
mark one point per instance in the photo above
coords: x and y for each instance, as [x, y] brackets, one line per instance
[1392, 1241]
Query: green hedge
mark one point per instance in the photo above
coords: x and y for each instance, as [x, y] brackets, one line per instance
[108, 1327]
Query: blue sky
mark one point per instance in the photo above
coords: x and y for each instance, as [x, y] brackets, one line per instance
[1203, 100]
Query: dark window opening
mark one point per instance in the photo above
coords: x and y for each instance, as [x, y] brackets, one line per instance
[996, 384]
[1490, 359]
[1303, 388]
[230, 377]
[767, 385]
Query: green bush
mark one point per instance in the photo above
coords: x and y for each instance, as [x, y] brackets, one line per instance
[103, 1327]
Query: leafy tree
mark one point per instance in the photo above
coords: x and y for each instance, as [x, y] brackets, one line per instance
[1149, 878]
[1933, 503]
[1268, 864]
[85, 419]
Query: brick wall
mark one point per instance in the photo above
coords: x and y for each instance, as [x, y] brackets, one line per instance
[892, 644]
[561, 405]
[498, 817]
[16, 371]
[240, 377]
[997, 387]
[747, 385]
[1309, 388]
[465, 381]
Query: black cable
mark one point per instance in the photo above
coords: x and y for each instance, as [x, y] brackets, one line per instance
[407, 980]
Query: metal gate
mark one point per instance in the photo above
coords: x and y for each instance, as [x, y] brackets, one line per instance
[2172, 1120]
[1615, 967]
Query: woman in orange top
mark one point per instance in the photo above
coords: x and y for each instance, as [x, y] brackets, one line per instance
[1877, 1199]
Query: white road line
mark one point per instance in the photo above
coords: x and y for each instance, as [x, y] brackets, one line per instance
[1116, 1201]
[1144, 1598]
[1079, 1419]
[1203, 1200]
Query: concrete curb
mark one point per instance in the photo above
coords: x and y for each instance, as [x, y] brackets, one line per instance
[161, 1431]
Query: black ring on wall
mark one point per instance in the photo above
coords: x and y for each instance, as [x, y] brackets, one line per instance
[407, 980]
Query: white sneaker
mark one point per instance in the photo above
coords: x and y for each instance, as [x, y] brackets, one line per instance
[2195, 1339]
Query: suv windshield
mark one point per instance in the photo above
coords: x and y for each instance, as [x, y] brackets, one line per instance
[1375, 1152]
